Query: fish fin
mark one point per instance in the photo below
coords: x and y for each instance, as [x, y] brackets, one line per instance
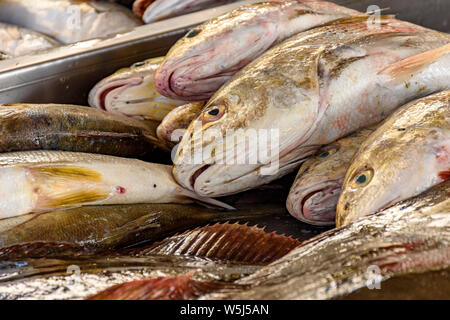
[404, 69]
[59, 187]
[226, 241]
[444, 175]
[358, 19]
[177, 287]
[205, 200]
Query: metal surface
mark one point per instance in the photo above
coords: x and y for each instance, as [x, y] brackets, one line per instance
[66, 75]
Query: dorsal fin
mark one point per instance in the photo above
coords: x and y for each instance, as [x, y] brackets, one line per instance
[225, 241]
[178, 287]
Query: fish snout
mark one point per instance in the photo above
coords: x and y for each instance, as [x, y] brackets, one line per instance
[315, 204]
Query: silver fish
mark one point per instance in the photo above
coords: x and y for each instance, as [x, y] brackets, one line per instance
[310, 90]
[198, 64]
[407, 154]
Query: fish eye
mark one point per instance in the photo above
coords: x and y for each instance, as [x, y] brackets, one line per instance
[328, 152]
[213, 113]
[193, 33]
[138, 64]
[362, 178]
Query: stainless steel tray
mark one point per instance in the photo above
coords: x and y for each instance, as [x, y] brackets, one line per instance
[66, 75]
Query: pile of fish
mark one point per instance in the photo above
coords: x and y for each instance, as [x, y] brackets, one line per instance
[318, 117]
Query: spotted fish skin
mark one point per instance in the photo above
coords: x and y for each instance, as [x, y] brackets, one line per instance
[25, 127]
[312, 89]
[406, 155]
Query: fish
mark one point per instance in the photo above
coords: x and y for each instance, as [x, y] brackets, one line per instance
[131, 92]
[25, 127]
[406, 155]
[409, 241]
[172, 127]
[15, 41]
[315, 192]
[81, 276]
[39, 181]
[69, 21]
[309, 91]
[155, 10]
[208, 55]
[106, 227]
[225, 242]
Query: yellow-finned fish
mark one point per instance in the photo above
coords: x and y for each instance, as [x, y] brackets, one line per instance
[131, 92]
[37, 181]
[406, 155]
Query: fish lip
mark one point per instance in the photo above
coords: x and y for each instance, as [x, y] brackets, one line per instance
[295, 207]
[196, 174]
[98, 98]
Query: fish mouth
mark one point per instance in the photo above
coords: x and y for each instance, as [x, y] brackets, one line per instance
[183, 81]
[99, 96]
[196, 174]
[316, 205]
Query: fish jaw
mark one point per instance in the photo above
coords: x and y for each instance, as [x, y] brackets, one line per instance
[133, 97]
[196, 67]
[315, 204]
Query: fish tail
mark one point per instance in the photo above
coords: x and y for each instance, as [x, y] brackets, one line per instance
[406, 68]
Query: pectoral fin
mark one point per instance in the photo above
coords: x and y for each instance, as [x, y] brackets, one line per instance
[406, 68]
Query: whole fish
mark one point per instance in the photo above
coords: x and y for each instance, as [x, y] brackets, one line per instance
[199, 63]
[69, 21]
[74, 128]
[310, 90]
[314, 195]
[15, 41]
[172, 127]
[37, 181]
[407, 154]
[131, 92]
[115, 226]
[154, 10]
[410, 239]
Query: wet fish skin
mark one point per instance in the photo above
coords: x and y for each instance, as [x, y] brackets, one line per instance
[306, 80]
[69, 21]
[313, 196]
[15, 41]
[172, 127]
[156, 10]
[199, 63]
[37, 181]
[131, 92]
[407, 154]
[74, 128]
[411, 238]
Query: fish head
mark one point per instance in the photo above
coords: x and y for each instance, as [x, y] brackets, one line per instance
[240, 141]
[208, 55]
[131, 92]
[315, 191]
[391, 166]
